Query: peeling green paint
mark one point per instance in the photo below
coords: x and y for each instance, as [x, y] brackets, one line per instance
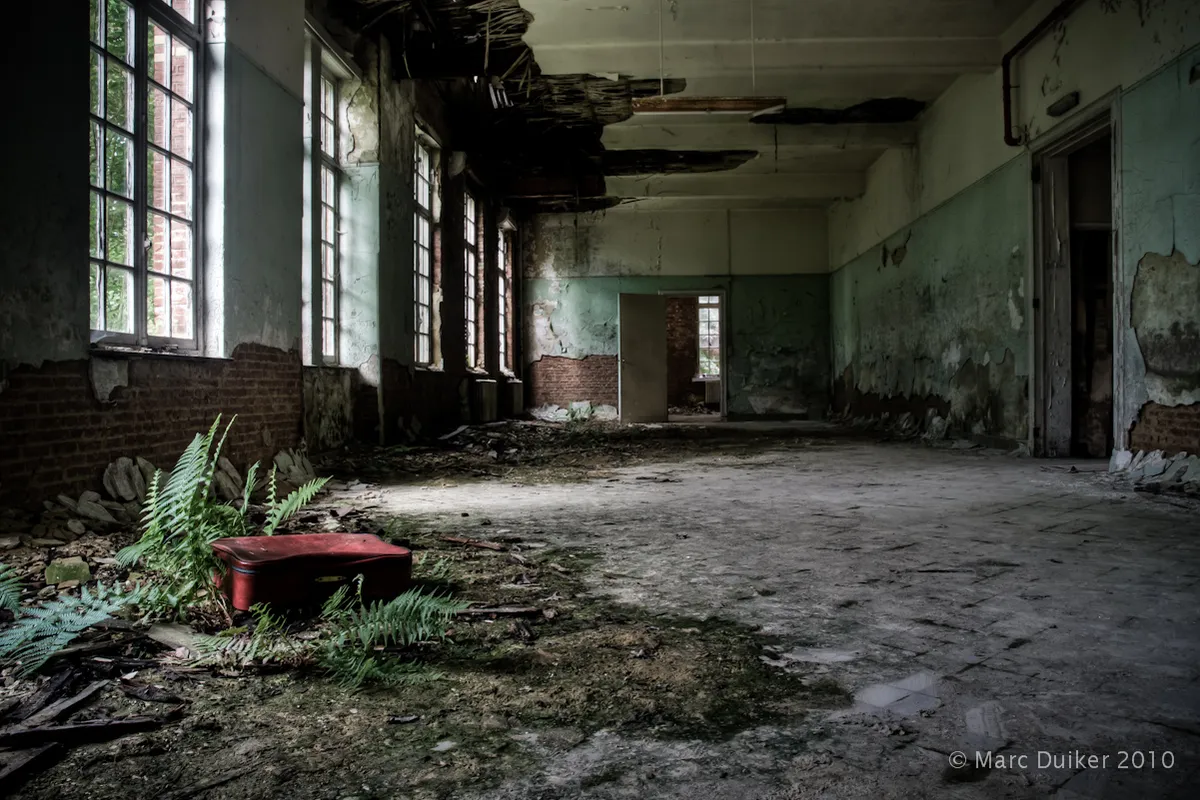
[947, 318]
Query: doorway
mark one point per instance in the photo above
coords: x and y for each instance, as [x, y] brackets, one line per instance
[1074, 308]
[671, 365]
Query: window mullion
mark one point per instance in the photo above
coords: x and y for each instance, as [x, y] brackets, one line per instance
[140, 201]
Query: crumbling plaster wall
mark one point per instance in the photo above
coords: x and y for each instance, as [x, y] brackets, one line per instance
[769, 263]
[1158, 286]
[939, 310]
[1102, 50]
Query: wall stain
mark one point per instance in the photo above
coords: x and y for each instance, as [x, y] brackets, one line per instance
[1166, 321]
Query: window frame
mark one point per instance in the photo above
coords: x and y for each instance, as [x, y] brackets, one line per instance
[472, 217]
[175, 25]
[424, 335]
[327, 162]
[503, 291]
[708, 303]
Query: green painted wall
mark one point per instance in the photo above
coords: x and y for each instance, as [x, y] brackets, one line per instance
[777, 335]
[1158, 284]
[936, 317]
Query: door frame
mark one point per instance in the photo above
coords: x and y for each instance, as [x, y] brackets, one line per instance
[1051, 337]
[722, 332]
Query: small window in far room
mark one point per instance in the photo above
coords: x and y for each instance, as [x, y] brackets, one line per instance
[710, 337]
[471, 267]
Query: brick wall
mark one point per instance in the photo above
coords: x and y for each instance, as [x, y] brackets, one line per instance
[561, 381]
[1168, 428]
[683, 344]
[55, 436]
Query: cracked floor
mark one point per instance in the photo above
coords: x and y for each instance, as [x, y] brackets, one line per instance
[971, 602]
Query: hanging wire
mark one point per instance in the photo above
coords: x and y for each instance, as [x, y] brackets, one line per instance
[753, 60]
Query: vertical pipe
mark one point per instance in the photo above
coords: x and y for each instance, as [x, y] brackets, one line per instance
[662, 74]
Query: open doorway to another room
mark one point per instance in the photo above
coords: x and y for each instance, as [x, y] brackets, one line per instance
[694, 376]
[1075, 304]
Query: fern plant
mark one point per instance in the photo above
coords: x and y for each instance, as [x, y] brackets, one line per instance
[266, 642]
[182, 518]
[41, 631]
[10, 589]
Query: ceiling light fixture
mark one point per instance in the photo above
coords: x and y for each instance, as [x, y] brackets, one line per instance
[753, 105]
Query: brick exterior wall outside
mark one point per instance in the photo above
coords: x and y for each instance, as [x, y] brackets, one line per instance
[55, 436]
[1171, 429]
[560, 381]
[683, 346]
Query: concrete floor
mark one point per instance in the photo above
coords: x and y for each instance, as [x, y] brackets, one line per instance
[972, 602]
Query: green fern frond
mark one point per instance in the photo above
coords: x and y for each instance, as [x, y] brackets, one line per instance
[41, 631]
[251, 474]
[354, 668]
[291, 504]
[10, 589]
[410, 618]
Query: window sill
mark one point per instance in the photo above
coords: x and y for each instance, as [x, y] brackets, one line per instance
[134, 352]
[706, 379]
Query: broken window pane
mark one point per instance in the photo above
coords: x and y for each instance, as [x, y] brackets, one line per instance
[119, 163]
[119, 95]
[157, 295]
[119, 19]
[119, 231]
[118, 302]
[182, 313]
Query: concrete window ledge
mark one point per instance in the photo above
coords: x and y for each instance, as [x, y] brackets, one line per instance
[129, 353]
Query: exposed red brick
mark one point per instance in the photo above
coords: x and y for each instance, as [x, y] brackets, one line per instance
[683, 347]
[55, 436]
[560, 381]
[1168, 428]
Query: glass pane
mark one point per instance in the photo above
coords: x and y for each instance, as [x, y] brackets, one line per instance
[182, 66]
[327, 95]
[157, 299]
[328, 186]
[95, 29]
[94, 295]
[328, 228]
[118, 300]
[181, 130]
[185, 8]
[119, 163]
[97, 78]
[327, 262]
[158, 49]
[96, 147]
[119, 95]
[96, 232]
[328, 342]
[328, 140]
[182, 315]
[119, 226]
[120, 30]
[158, 231]
[181, 250]
[158, 114]
[181, 189]
[158, 177]
[327, 303]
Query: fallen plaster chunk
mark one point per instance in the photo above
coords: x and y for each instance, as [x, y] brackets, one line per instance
[107, 375]
[1176, 468]
[1120, 460]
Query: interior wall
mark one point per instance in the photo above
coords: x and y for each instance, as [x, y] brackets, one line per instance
[1104, 50]
[771, 265]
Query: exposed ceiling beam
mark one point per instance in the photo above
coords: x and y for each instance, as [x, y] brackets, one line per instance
[696, 59]
[726, 136]
[822, 186]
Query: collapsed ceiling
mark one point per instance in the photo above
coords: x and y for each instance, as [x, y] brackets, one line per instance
[543, 90]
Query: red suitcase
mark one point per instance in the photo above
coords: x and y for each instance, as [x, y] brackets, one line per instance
[301, 571]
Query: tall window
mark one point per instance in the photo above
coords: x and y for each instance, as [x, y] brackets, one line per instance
[326, 131]
[143, 123]
[502, 294]
[423, 182]
[471, 267]
[710, 337]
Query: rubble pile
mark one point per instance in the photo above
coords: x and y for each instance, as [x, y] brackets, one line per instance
[1157, 472]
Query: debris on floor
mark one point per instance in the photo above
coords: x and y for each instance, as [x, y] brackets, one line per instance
[1156, 472]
